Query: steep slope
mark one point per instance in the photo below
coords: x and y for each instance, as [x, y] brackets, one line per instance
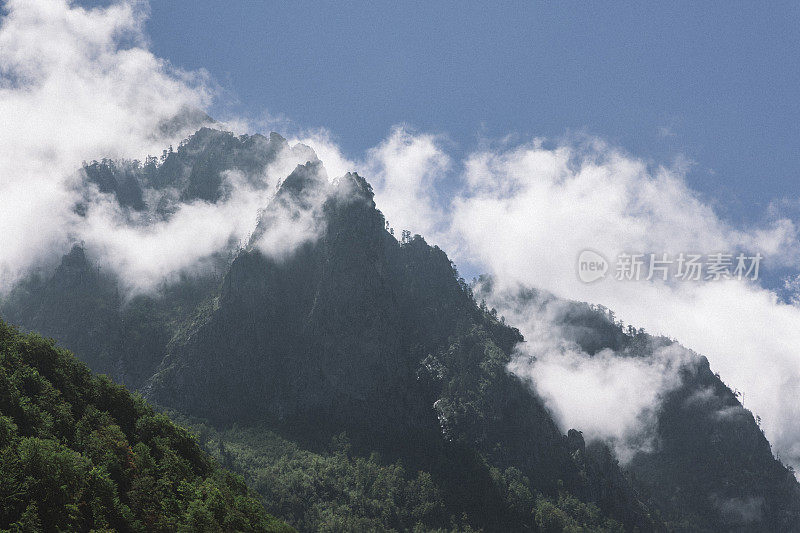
[713, 464]
[79, 453]
[712, 468]
[76, 304]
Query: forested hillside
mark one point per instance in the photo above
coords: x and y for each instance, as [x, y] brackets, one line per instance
[79, 453]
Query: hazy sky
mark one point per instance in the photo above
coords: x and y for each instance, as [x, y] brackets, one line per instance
[715, 82]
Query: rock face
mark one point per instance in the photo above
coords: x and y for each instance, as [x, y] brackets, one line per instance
[323, 323]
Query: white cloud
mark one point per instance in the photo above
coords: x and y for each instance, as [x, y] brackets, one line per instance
[405, 170]
[607, 396]
[75, 85]
[529, 211]
[323, 144]
[147, 254]
[291, 221]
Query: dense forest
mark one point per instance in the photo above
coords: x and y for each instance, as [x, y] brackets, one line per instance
[359, 383]
[80, 453]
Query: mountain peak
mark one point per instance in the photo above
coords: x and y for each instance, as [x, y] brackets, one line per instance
[306, 179]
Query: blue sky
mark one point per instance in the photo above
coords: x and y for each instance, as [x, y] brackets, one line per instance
[716, 82]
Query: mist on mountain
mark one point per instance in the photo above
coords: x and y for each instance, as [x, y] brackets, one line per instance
[343, 328]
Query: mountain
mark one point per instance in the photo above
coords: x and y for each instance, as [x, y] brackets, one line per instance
[357, 332]
[78, 452]
[712, 468]
[195, 171]
[357, 383]
[81, 306]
